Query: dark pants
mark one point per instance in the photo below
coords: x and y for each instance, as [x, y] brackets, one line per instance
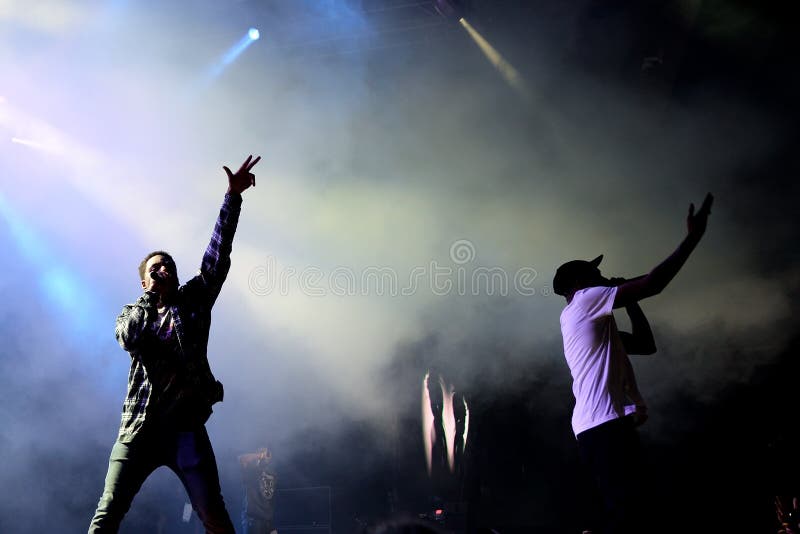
[188, 454]
[256, 526]
[614, 455]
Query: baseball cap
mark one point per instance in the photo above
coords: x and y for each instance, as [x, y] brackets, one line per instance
[571, 271]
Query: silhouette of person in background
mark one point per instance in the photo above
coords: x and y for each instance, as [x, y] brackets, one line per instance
[259, 481]
[608, 404]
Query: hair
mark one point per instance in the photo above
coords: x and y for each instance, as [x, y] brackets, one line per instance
[143, 264]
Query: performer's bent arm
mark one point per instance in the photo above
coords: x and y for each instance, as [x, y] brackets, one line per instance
[640, 340]
[655, 281]
[132, 323]
[632, 391]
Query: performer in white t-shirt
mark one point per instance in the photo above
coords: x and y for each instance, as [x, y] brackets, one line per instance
[608, 404]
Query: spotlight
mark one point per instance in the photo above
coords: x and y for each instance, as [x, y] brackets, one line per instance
[506, 70]
[247, 39]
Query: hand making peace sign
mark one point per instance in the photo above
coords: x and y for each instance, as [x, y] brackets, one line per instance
[243, 178]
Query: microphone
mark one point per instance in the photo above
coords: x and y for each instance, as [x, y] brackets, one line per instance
[155, 276]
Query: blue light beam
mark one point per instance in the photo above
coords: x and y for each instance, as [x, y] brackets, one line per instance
[235, 51]
[68, 295]
[62, 289]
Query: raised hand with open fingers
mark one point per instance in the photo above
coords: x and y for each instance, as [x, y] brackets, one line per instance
[696, 222]
[243, 178]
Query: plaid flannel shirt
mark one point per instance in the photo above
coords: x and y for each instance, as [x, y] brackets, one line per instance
[191, 315]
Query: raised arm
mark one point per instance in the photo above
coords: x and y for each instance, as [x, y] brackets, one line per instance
[640, 339]
[249, 459]
[657, 279]
[252, 459]
[217, 258]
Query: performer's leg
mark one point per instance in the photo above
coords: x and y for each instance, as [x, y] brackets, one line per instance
[613, 452]
[196, 466]
[128, 467]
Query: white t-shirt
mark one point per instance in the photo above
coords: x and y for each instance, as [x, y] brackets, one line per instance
[602, 377]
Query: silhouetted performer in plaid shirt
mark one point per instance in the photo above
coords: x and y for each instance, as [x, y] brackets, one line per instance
[170, 385]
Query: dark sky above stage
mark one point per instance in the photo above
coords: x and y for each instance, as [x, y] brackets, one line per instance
[411, 207]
